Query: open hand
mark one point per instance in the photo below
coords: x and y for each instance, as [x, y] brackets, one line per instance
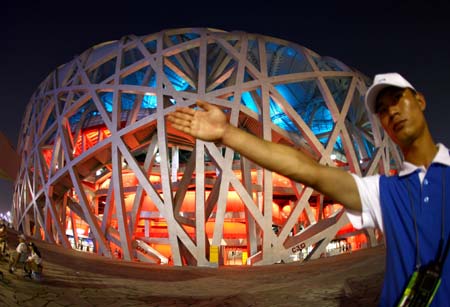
[207, 125]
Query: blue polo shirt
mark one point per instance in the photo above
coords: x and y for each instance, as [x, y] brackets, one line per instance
[399, 231]
[387, 205]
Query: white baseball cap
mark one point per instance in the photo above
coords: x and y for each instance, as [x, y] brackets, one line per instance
[382, 81]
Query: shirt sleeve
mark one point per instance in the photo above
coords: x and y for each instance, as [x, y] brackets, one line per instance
[34, 257]
[369, 193]
[22, 248]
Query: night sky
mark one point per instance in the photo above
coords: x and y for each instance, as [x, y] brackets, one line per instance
[410, 38]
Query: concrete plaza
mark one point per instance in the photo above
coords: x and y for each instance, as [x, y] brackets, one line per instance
[73, 278]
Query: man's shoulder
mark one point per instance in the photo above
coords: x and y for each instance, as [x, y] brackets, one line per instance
[392, 179]
[367, 179]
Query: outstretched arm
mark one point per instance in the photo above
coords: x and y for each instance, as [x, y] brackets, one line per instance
[212, 125]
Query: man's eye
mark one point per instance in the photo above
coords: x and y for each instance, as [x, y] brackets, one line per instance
[397, 96]
[381, 110]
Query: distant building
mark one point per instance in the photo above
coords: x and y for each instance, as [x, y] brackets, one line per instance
[101, 168]
[9, 162]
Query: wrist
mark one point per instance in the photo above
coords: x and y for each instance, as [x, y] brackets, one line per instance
[227, 135]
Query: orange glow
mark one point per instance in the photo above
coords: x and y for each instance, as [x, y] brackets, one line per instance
[47, 154]
[164, 249]
[81, 227]
[89, 138]
[129, 180]
[234, 202]
[315, 213]
[345, 229]
[287, 209]
[393, 172]
[330, 209]
[233, 228]
[358, 241]
[148, 204]
[276, 216]
[155, 179]
[280, 181]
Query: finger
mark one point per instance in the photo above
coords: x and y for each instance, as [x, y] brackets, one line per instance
[179, 119]
[181, 115]
[185, 110]
[204, 105]
[182, 128]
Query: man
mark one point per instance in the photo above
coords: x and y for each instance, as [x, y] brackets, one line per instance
[33, 264]
[19, 254]
[3, 238]
[413, 225]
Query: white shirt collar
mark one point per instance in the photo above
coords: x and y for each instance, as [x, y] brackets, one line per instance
[441, 157]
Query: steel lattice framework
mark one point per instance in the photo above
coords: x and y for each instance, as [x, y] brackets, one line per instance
[99, 159]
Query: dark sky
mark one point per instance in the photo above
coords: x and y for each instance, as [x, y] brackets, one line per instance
[403, 36]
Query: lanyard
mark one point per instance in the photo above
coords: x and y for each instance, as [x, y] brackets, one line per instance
[442, 254]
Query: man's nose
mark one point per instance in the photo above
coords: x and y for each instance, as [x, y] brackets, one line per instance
[393, 109]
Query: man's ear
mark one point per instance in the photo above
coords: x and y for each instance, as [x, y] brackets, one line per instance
[421, 101]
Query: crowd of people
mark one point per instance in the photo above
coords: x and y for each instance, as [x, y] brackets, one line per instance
[25, 256]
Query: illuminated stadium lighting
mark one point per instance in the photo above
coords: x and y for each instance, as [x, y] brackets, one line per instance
[99, 158]
[158, 158]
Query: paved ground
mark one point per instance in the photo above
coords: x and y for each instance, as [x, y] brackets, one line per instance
[74, 278]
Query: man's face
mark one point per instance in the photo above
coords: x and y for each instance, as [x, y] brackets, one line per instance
[401, 114]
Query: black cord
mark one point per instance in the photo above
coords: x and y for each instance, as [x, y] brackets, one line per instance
[442, 254]
[411, 203]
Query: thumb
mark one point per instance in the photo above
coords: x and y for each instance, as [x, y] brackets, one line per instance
[204, 105]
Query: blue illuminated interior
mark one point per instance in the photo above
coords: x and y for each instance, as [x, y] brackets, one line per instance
[247, 100]
[88, 108]
[369, 148]
[50, 121]
[324, 64]
[178, 83]
[181, 38]
[148, 101]
[304, 97]
[307, 101]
